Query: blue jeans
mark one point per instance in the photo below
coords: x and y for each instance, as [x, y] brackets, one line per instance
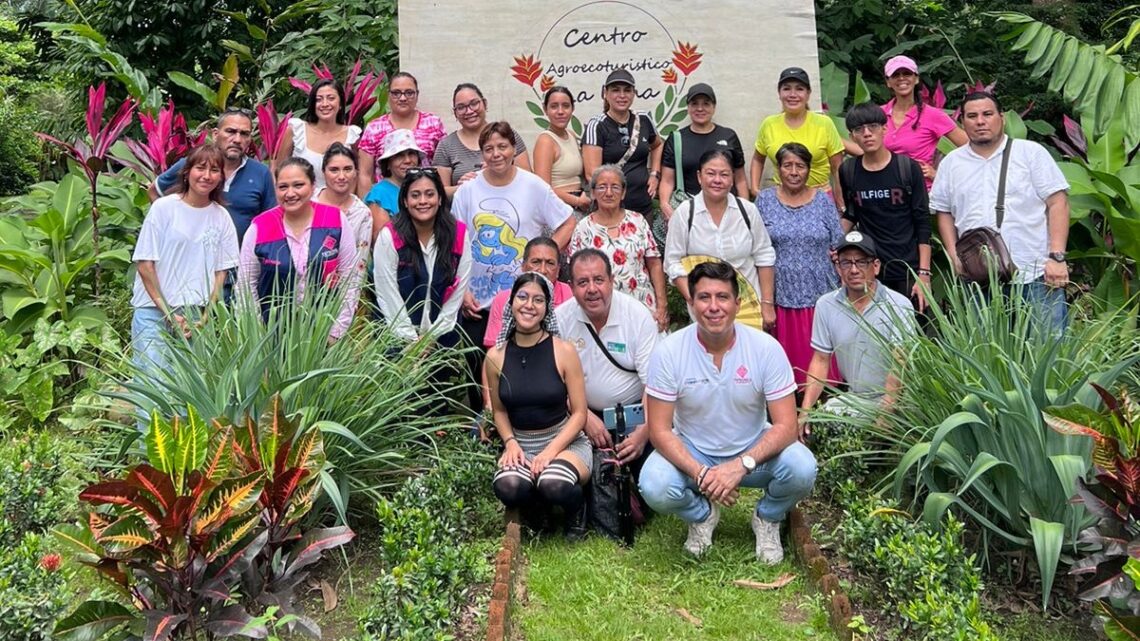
[148, 340]
[785, 479]
[1048, 305]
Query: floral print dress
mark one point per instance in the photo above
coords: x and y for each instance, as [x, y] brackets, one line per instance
[628, 252]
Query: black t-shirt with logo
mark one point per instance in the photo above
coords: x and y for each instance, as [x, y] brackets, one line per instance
[880, 209]
[693, 146]
[605, 132]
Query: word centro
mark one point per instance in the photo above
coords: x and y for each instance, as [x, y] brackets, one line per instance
[576, 36]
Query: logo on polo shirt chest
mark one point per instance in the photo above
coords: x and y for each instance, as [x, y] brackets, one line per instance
[742, 376]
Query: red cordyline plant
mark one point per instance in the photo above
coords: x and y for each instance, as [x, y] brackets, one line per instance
[93, 155]
[359, 91]
[271, 130]
[167, 139]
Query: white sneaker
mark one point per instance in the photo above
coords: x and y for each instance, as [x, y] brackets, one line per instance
[768, 546]
[700, 534]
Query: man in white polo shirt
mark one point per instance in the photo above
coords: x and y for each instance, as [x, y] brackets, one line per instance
[712, 388]
[615, 334]
[1035, 226]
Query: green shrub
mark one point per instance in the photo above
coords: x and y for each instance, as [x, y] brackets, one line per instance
[928, 576]
[39, 477]
[20, 150]
[33, 589]
[427, 549]
[837, 446]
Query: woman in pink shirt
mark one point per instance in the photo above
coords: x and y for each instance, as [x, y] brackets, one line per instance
[298, 243]
[914, 129]
[403, 113]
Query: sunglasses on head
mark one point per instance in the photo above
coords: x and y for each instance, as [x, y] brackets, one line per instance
[417, 172]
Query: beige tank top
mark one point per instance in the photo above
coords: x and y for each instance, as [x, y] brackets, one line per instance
[567, 169]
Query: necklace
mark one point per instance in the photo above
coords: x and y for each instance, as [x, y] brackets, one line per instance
[522, 358]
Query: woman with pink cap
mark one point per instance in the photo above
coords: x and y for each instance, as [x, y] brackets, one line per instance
[913, 129]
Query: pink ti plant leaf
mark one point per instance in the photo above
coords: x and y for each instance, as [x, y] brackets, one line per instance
[271, 129]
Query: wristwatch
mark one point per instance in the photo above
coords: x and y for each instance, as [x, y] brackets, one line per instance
[1058, 257]
[748, 462]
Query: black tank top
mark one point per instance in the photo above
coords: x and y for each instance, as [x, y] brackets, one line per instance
[530, 387]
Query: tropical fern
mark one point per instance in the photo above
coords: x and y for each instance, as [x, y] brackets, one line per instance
[1089, 76]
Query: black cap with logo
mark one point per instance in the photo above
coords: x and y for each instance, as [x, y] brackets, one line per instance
[794, 73]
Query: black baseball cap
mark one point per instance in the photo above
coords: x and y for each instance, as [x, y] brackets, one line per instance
[859, 241]
[794, 73]
[700, 89]
[619, 76]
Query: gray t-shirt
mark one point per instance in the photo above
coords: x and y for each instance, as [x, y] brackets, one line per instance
[452, 153]
[861, 342]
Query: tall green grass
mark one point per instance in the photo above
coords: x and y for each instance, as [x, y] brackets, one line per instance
[377, 398]
[966, 430]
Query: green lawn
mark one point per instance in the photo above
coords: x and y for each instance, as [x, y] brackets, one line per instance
[598, 590]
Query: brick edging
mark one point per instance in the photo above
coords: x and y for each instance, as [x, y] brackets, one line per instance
[499, 610]
[820, 575]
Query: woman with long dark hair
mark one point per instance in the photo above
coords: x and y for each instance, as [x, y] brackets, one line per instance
[422, 262]
[914, 128]
[325, 121]
[538, 398]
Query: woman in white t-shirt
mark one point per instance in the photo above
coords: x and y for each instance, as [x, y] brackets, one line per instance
[503, 207]
[186, 245]
[325, 122]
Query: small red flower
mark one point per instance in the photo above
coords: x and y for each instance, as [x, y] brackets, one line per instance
[546, 84]
[527, 70]
[627, 228]
[686, 58]
[50, 562]
[598, 242]
[669, 76]
[632, 283]
[619, 257]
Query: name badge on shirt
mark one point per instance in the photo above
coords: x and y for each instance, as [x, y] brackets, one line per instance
[615, 348]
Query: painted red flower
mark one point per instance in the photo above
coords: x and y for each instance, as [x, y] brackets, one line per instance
[687, 58]
[632, 283]
[546, 84]
[527, 70]
[598, 242]
[669, 76]
[619, 257]
[50, 562]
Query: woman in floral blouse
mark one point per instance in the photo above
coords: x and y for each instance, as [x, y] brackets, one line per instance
[804, 227]
[624, 236]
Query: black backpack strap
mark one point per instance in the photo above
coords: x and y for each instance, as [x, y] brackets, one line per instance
[847, 180]
[602, 346]
[906, 166]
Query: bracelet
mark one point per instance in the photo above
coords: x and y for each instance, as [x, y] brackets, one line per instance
[923, 272]
[654, 173]
[509, 439]
[701, 475]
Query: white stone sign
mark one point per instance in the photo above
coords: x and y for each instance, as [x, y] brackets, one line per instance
[514, 50]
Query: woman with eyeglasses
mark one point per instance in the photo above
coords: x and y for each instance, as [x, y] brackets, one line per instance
[325, 122]
[403, 113]
[914, 128]
[340, 180]
[459, 156]
[297, 245]
[423, 262]
[538, 399]
[625, 138]
[504, 207]
[804, 227]
[624, 236]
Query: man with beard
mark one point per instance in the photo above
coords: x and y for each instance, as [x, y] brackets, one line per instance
[249, 188]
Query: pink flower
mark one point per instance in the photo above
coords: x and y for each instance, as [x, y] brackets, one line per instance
[50, 562]
[598, 242]
[619, 257]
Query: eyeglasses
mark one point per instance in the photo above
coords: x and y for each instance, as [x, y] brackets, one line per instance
[601, 189]
[470, 106]
[406, 93]
[872, 127]
[416, 172]
[863, 263]
[537, 300]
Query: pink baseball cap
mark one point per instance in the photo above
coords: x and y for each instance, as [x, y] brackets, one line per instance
[900, 62]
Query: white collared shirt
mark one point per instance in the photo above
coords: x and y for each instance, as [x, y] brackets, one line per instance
[966, 186]
[732, 241]
[630, 334]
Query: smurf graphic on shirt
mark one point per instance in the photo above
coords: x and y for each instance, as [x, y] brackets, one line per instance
[496, 248]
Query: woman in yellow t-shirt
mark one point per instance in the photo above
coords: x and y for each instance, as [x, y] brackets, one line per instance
[795, 123]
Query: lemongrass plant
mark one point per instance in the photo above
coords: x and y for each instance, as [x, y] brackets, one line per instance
[377, 398]
[965, 429]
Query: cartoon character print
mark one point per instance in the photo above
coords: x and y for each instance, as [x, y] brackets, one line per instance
[496, 248]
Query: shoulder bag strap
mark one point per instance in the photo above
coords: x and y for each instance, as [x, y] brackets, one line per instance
[999, 207]
[602, 346]
[634, 140]
[680, 174]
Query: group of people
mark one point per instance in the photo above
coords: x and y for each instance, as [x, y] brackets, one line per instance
[463, 237]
